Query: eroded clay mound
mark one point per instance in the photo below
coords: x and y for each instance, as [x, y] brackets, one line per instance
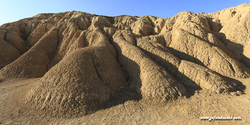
[85, 60]
[148, 78]
[190, 74]
[83, 81]
[36, 61]
[8, 52]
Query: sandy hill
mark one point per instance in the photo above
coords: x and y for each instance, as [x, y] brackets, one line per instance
[80, 68]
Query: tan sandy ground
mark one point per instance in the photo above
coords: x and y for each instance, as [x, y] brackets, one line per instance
[181, 111]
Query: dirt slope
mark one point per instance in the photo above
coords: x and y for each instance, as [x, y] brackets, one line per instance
[93, 69]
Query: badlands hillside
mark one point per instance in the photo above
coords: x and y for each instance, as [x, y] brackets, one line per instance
[80, 68]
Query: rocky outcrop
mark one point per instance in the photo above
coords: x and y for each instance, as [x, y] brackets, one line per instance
[85, 60]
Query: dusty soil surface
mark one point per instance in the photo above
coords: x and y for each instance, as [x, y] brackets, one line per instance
[186, 110]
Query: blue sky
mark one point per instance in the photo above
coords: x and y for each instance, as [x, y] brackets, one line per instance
[13, 10]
